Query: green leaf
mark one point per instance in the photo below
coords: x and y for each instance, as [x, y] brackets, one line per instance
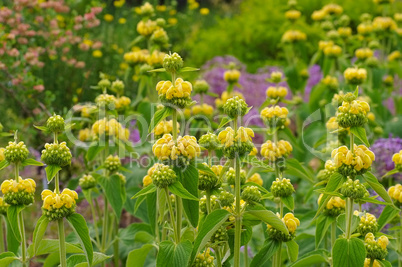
[391, 172]
[190, 183]
[374, 200]
[377, 187]
[178, 189]
[224, 121]
[206, 169]
[4, 164]
[12, 216]
[6, 258]
[93, 150]
[254, 161]
[52, 260]
[42, 128]
[38, 233]
[312, 258]
[114, 192]
[293, 167]
[159, 116]
[79, 260]
[146, 190]
[289, 202]
[356, 92]
[31, 162]
[384, 263]
[48, 246]
[360, 133]
[265, 253]
[171, 254]
[334, 183]
[137, 257]
[212, 222]
[51, 171]
[270, 218]
[80, 227]
[293, 250]
[386, 216]
[158, 70]
[341, 222]
[323, 223]
[12, 243]
[187, 69]
[348, 253]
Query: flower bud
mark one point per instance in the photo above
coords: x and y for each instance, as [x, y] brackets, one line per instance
[209, 141]
[376, 249]
[368, 224]
[106, 101]
[58, 206]
[251, 194]
[282, 188]
[162, 175]
[236, 144]
[335, 206]
[235, 107]
[3, 207]
[203, 203]
[18, 193]
[56, 154]
[220, 236]
[397, 159]
[208, 182]
[231, 76]
[353, 114]
[104, 84]
[172, 62]
[118, 86]
[354, 189]
[231, 176]
[276, 77]
[355, 76]
[275, 117]
[204, 260]
[291, 223]
[55, 124]
[372, 62]
[226, 199]
[201, 87]
[16, 152]
[87, 182]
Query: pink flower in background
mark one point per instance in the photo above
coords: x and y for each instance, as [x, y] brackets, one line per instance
[39, 87]
[13, 52]
[80, 65]
[97, 45]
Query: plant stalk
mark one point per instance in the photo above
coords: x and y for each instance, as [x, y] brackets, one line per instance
[218, 257]
[62, 243]
[2, 247]
[237, 215]
[349, 216]
[94, 221]
[23, 240]
[208, 197]
[172, 218]
[245, 255]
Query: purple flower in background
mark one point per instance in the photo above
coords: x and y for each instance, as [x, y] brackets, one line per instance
[384, 149]
[315, 76]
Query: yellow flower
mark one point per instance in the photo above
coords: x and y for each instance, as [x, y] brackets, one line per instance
[344, 31]
[181, 89]
[161, 8]
[276, 92]
[273, 151]
[146, 180]
[367, 263]
[292, 14]
[165, 147]
[146, 28]
[383, 241]
[291, 36]
[134, 57]
[275, 111]
[165, 127]
[394, 55]
[122, 21]
[219, 102]
[108, 17]
[334, 50]
[332, 9]
[97, 54]
[204, 109]
[172, 21]
[255, 178]
[355, 75]
[2, 153]
[362, 158]
[318, 15]
[110, 127]
[384, 24]
[122, 102]
[226, 137]
[204, 11]
[254, 152]
[119, 3]
[291, 222]
[364, 28]
[364, 53]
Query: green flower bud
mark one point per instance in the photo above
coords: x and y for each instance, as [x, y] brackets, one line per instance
[57, 214]
[349, 97]
[368, 224]
[3, 207]
[231, 177]
[279, 235]
[354, 189]
[172, 62]
[235, 107]
[208, 182]
[333, 35]
[372, 62]
[112, 163]
[56, 154]
[282, 188]
[176, 101]
[209, 141]
[203, 203]
[238, 149]
[226, 199]
[145, 68]
[201, 87]
[55, 124]
[378, 130]
[219, 236]
[374, 44]
[118, 86]
[122, 178]
[327, 25]
[16, 152]
[87, 182]
[276, 77]
[251, 194]
[106, 100]
[163, 176]
[204, 260]
[376, 249]
[161, 22]
[344, 20]
[104, 84]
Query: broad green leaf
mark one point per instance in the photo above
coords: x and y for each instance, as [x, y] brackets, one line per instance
[384, 263]
[4, 164]
[386, 216]
[158, 70]
[138, 202]
[178, 189]
[341, 222]
[334, 183]
[12, 216]
[152, 212]
[42, 128]
[224, 121]
[171, 254]
[314, 257]
[12, 243]
[93, 150]
[6, 258]
[187, 69]
[212, 222]
[190, 183]
[254, 161]
[377, 187]
[270, 218]
[52, 260]
[39, 232]
[265, 253]
[206, 169]
[323, 223]
[293, 250]
[48, 246]
[137, 257]
[391, 172]
[31, 162]
[51, 171]
[161, 195]
[293, 167]
[114, 191]
[356, 92]
[159, 116]
[146, 190]
[374, 200]
[360, 133]
[348, 253]
[80, 227]
[80, 260]
[289, 202]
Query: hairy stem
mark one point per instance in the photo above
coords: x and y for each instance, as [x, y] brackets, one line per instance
[116, 258]
[23, 240]
[94, 221]
[208, 197]
[218, 257]
[62, 243]
[237, 215]
[349, 216]
[172, 218]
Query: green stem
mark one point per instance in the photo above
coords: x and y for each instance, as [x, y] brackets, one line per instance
[172, 219]
[156, 217]
[179, 215]
[174, 121]
[352, 141]
[62, 243]
[237, 214]
[17, 172]
[94, 221]
[218, 257]
[104, 226]
[23, 240]
[2, 247]
[349, 216]
[279, 255]
[245, 255]
[201, 99]
[333, 234]
[371, 262]
[281, 208]
[208, 197]
[116, 243]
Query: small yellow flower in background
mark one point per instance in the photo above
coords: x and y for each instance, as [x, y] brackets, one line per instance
[192, 4]
[181, 89]
[318, 15]
[2, 153]
[277, 92]
[122, 21]
[333, 51]
[394, 55]
[97, 54]
[108, 17]
[231, 76]
[371, 116]
[273, 151]
[254, 152]
[395, 192]
[384, 24]
[323, 44]
[146, 28]
[331, 82]
[88, 42]
[219, 102]
[161, 8]
[332, 9]
[84, 134]
[355, 75]
[146, 180]
[172, 21]
[255, 178]
[123, 66]
[332, 124]
[203, 109]
[274, 111]
[364, 53]
[204, 11]
[344, 32]
[172, 12]
[365, 28]
[119, 3]
[165, 127]
[292, 14]
[110, 127]
[292, 36]
[397, 159]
